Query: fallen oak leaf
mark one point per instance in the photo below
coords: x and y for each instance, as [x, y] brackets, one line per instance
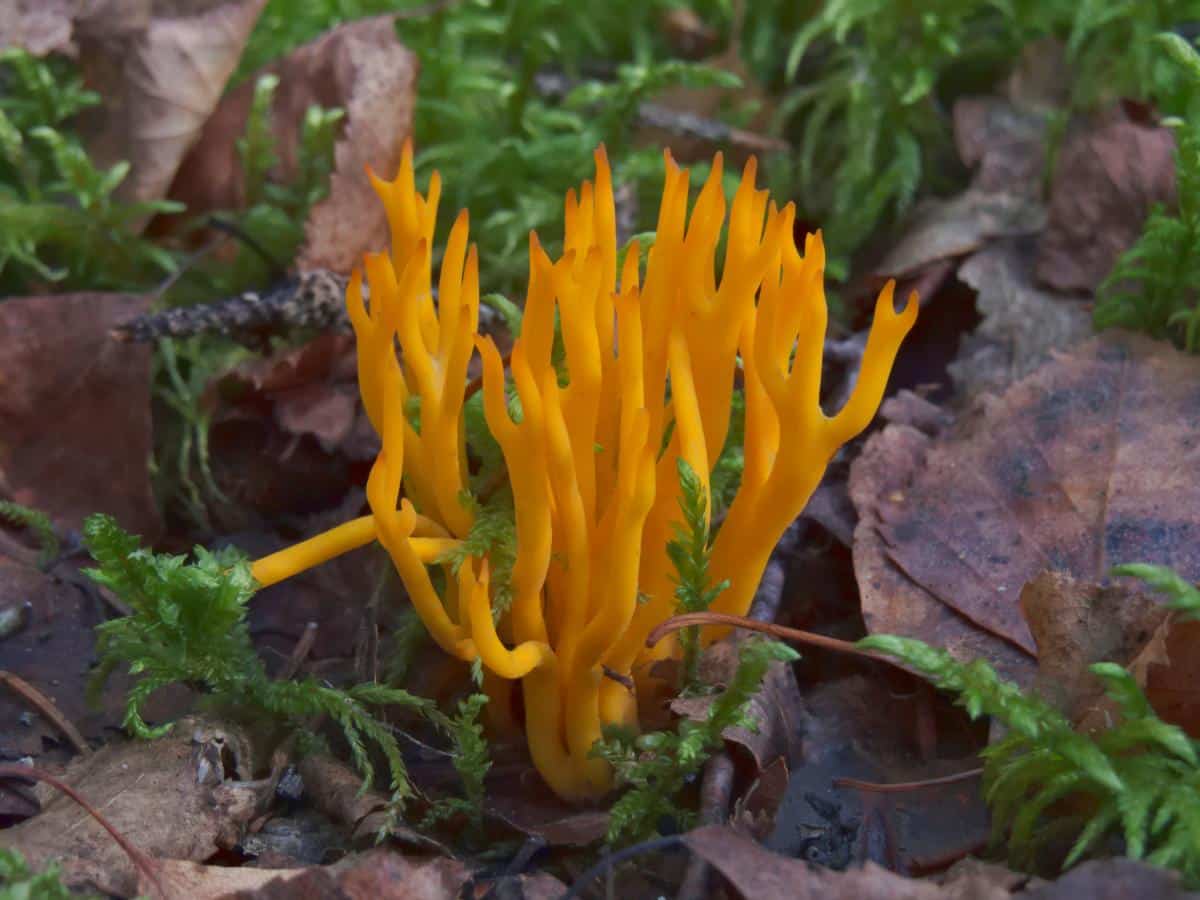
[147, 867]
[1074, 468]
[159, 84]
[1022, 323]
[75, 435]
[1076, 623]
[171, 798]
[360, 67]
[1108, 174]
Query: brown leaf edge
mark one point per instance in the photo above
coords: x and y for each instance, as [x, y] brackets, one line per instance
[145, 863]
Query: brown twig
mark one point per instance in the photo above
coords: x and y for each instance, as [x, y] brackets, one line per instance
[46, 707]
[903, 787]
[675, 623]
[141, 860]
[420, 12]
[187, 264]
[475, 385]
[299, 652]
[716, 793]
[556, 86]
[716, 788]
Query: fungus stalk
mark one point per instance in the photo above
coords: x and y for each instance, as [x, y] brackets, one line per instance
[649, 378]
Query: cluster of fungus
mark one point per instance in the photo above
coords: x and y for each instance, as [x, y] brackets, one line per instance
[650, 367]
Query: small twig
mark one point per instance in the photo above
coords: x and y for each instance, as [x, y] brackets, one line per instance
[779, 631]
[712, 131]
[920, 865]
[556, 86]
[143, 861]
[429, 9]
[533, 845]
[615, 859]
[246, 238]
[187, 263]
[624, 680]
[46, 707]
[716, 789]
[475, 385]
[716, 793]
[366, 646]
[299, 653]
[902, 787]
[769, 596]
[493, 484]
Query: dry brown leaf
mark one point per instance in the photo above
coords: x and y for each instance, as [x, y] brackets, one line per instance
[180, 879]
[1113, 879]
[843, 735]
[372, 875]
[159, 84]
[174, 797]
[360, 67]
[288, 431]
[1172, 683]
[1021, 322]
[520, 799]
[379, 112]
[75, 410]
[311, 390]
[38, 26]
[1108, 174]
[384, 874]
[757, 873]
[1076, 623]
[53, 26]
[336, 790]
[1007, 144]
[1167, 668]
[54, 651]
[776, 707]
[892, 603]
[1085, 464]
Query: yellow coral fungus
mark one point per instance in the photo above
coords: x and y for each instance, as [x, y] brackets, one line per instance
[648, 379]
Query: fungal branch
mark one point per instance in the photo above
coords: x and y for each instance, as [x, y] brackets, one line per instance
[647, 379]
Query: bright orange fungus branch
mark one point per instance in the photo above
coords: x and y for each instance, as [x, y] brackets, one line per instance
[650, 362]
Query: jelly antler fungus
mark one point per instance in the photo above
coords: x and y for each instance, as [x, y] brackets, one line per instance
[649, 378]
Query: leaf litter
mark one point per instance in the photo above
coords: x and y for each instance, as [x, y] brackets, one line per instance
[987, 527]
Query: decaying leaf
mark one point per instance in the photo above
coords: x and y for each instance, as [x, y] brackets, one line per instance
[310, 390]
[1108, 174]
[379, 99]
[1007, 145]
[1021, 323]
[38, 26]
[337, 790]
[843, 735]
[520, 800]
[776, 707]
[381, 873]
[159, 84]
[184, 797]
[75, 410]
[1089, 462]
[360, 67]
[758, 873]
[1167, 668]
[1077, 623]
[53, 650]
[288, 432]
